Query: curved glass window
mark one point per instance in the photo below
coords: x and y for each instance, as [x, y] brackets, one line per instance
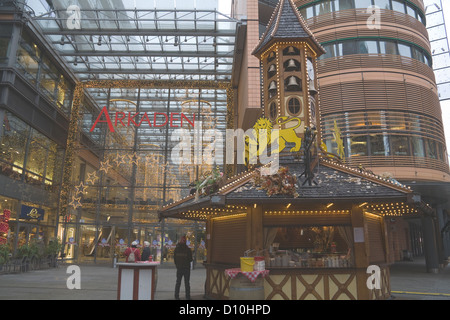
[326, 6]
[386, 133]
[375, 46]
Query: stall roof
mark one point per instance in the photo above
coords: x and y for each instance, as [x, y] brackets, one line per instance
[287, 23]
[335, 183]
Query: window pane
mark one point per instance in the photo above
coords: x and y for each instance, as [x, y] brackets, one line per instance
[399, 146]
[12, 145]
[358, 146]
[363, 3]
[379, 145]
[388, 47]
[36, 158]
[303, 13]
[64, 95]
[410, 10]
[417, 147]
[309, 12]
[431, 149]
[345, 4]
[383, 4]
[368, 47]
[27, 64]
[330, 51]
[398, 6]
[349, 47]
[324, 7]
[404, 50]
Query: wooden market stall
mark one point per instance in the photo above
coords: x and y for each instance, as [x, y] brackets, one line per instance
[317, 245]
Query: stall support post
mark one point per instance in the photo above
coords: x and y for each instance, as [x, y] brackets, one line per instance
[255, 227]
[360, 253]
[208, 242]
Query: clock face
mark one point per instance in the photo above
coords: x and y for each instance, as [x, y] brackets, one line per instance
[310, 70]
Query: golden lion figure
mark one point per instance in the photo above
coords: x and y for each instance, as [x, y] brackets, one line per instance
[287, 135]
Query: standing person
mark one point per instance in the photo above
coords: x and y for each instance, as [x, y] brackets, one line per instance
[183, 258]
[146, 252]
[133, 254]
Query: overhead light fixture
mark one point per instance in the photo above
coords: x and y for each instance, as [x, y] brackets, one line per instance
[99, 40]
[62, 40]
[329, 205]
[288, 206]
[254, 206]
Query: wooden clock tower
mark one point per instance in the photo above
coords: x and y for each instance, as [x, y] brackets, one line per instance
[288, 51]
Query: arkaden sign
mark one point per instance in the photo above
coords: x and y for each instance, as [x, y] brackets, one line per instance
[137, 119]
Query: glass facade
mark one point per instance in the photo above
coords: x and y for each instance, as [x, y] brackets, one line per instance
[27, 155]
[327, 6]
[115, 197]
[36, 65]
[385, 134]
[370, 45]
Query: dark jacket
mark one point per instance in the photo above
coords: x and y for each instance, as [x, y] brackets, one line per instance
[145, 254]
[182, 256]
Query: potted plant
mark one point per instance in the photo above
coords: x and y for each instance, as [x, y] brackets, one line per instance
[4, 256]
[53, 248]
[25, 253]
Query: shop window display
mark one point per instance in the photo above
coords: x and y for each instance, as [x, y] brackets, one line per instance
[310, 247]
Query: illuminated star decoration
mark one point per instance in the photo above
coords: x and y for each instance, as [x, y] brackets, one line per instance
[119, 159]
[105, 166]
[80, 189]
[92, 177]
[75, 203]
[134, 158]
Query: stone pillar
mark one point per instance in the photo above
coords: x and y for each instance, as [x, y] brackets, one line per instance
[430, 245]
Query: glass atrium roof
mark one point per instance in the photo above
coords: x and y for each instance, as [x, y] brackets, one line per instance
[140, 39]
